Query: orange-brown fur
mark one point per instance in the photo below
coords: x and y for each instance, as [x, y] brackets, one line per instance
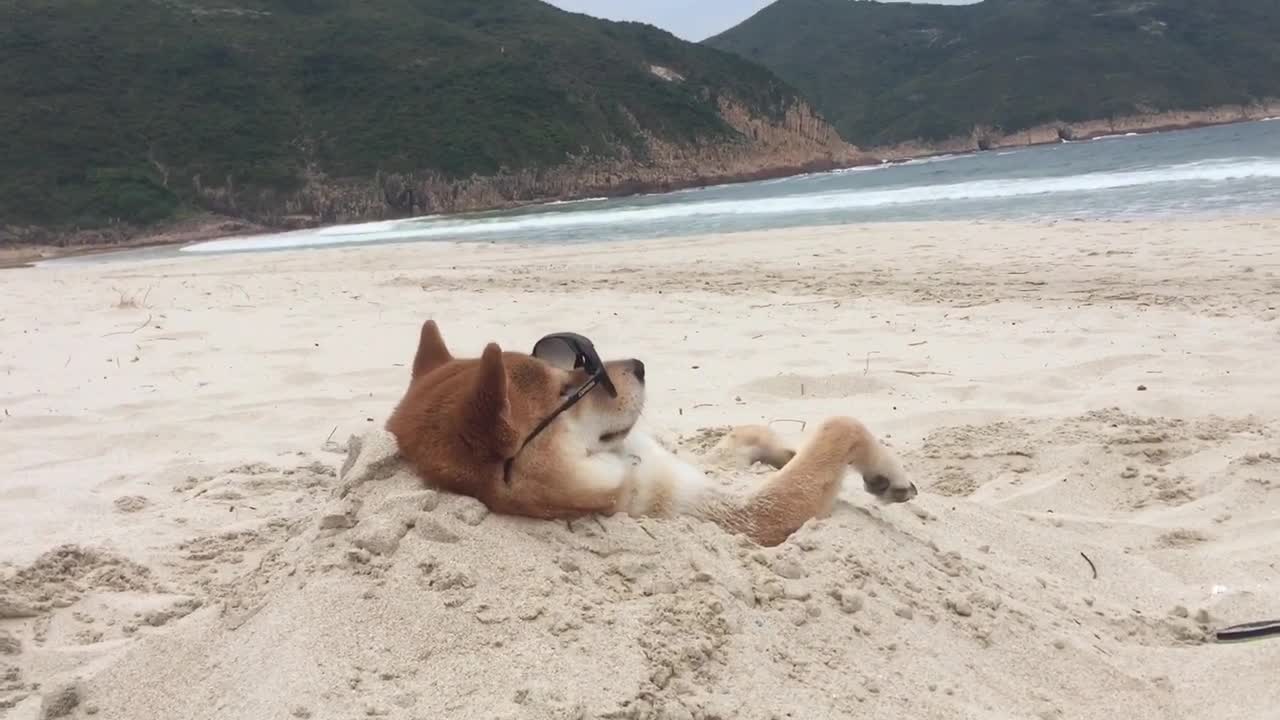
[461, 419]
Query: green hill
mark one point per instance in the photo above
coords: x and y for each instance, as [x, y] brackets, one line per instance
[885, 73]
[137, 111]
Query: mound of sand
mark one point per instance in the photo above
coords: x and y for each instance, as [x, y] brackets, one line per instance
[387, 599]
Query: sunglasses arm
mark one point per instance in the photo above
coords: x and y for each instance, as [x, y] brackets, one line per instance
[570, 402]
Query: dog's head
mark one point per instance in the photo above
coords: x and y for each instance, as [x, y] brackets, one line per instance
[463, 418]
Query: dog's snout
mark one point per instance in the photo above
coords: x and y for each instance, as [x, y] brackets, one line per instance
[637, 368]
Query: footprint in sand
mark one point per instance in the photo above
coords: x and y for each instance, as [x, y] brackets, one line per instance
[1181, 538]
[131, 504]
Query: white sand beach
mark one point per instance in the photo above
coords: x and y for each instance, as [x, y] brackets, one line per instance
[1071, 398]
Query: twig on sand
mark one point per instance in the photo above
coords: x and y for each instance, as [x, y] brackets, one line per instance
[797, 304]
[803, 424]
[918, 344]
[130, 332]
[329, 445]
[702, 405]
[1092, 567]
[918, 373]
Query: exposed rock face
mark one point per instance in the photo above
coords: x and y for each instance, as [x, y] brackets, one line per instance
[799, 142]
[988, 138]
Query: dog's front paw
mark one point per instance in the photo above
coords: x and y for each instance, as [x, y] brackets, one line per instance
[887, 479]
[746, 445]
[890, 489]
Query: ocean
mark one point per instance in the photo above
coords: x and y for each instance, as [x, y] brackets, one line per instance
[1215, 171]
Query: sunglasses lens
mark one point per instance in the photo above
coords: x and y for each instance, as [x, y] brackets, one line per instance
[557, 352]
[571, 352]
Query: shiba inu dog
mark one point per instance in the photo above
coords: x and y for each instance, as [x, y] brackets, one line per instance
[551, 434]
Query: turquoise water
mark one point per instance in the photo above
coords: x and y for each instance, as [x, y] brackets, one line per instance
[1225, 170]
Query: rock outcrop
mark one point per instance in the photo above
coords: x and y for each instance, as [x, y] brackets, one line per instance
[800, 141]
[990, 138]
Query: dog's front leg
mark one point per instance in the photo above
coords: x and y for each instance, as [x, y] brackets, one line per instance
[659, 483]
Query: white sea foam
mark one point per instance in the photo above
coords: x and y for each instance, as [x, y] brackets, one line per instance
[687, 206]
[906, 163]
[358, 229]
[579, 201]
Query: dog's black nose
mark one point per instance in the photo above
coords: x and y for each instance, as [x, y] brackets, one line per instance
[637, 368]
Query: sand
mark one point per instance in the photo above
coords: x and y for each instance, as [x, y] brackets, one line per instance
[1071, 399]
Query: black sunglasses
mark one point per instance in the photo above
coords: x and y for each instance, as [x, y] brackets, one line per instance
[567, 351]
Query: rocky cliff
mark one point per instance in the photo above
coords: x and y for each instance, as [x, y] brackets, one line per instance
[799, 141]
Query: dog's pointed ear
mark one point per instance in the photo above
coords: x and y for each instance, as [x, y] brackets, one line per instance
[489, 417]
[432, 352]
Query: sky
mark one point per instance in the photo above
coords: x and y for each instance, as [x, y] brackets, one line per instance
[690, 19]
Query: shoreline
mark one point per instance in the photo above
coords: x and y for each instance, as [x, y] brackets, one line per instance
[207, 226]
[211, 226]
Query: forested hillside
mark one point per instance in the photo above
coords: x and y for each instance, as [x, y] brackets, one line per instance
[885, 73]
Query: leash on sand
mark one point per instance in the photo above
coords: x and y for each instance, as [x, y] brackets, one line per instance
[1249, 631]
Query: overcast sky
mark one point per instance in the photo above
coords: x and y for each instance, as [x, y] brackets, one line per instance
[690, 19]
